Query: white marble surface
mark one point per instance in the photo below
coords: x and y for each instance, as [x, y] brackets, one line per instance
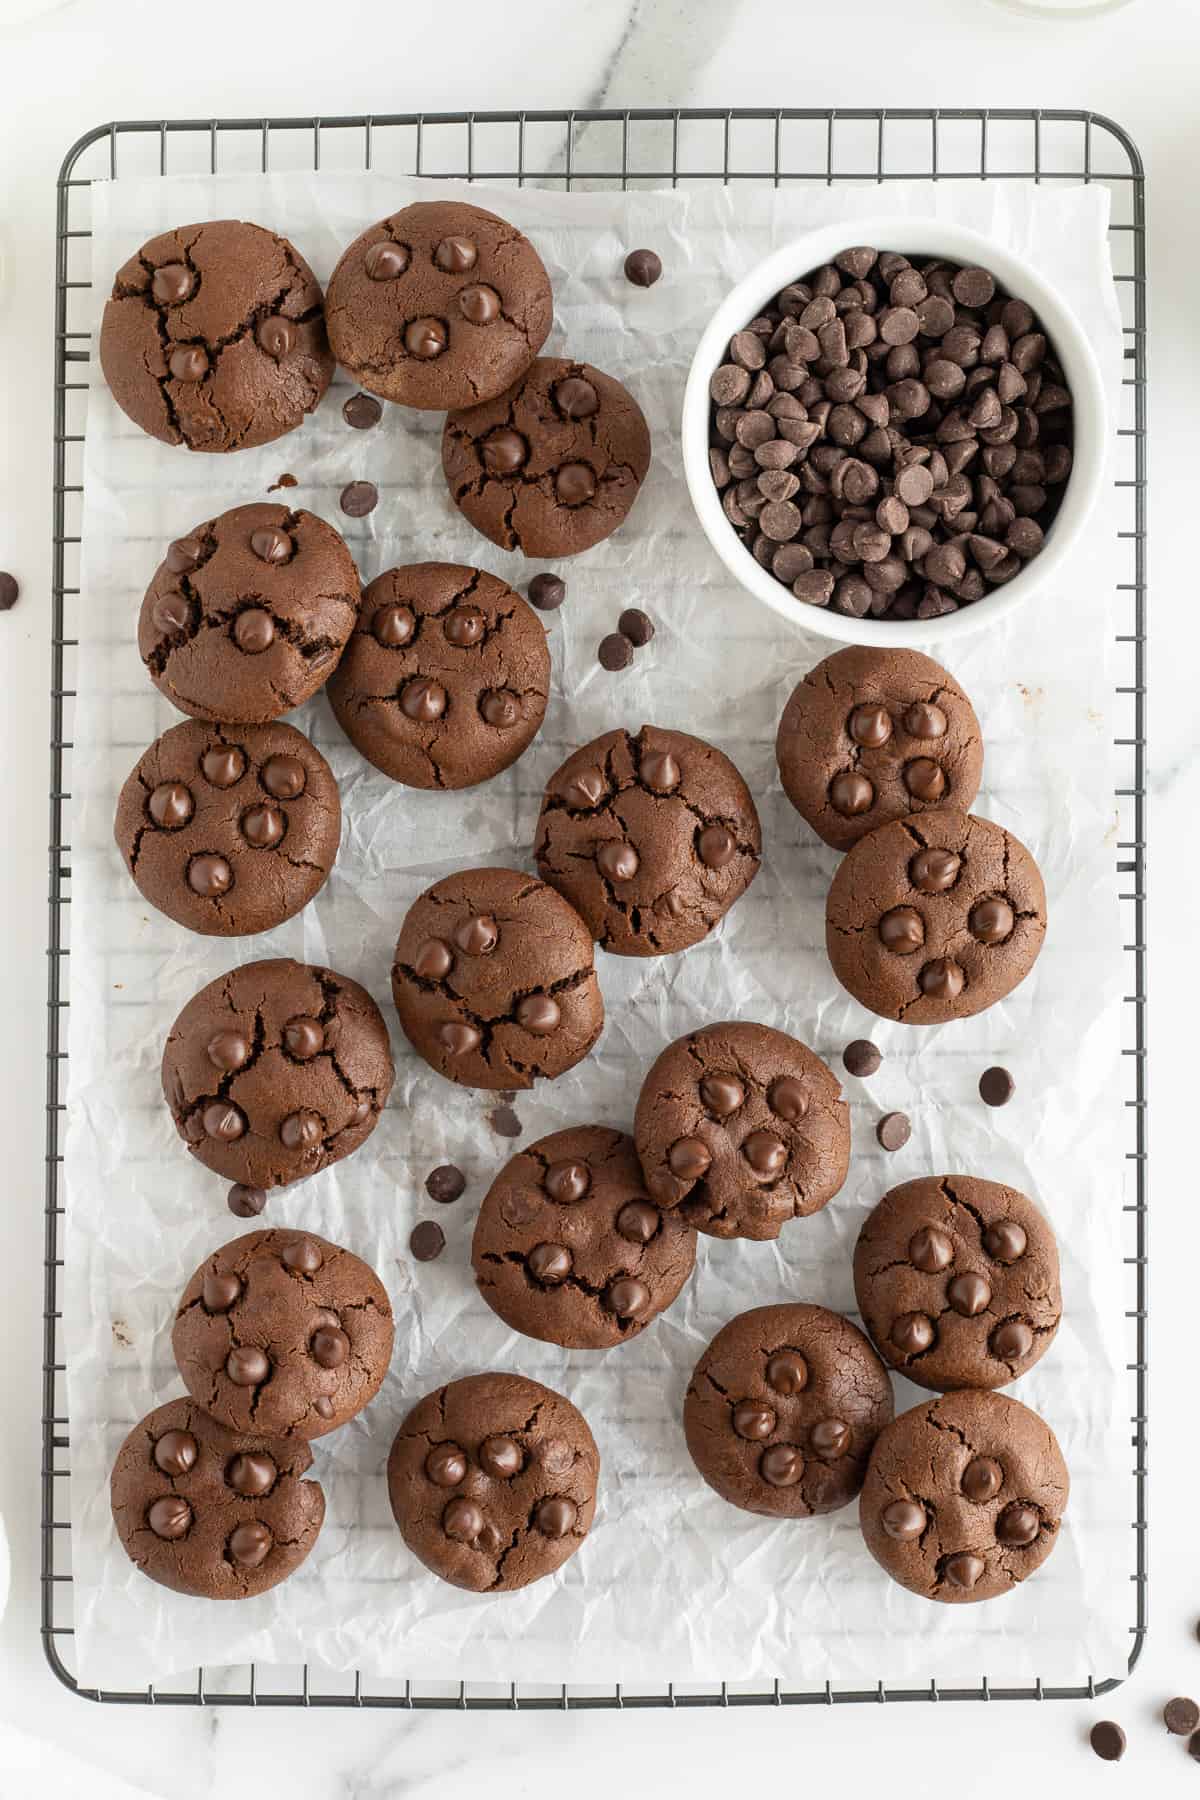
[96, 59]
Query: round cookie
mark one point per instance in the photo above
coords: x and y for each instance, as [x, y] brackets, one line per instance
[569, 1249]
[957, 1282]
[494, 980]
[743, 1125]
[283, 1332]
[248, 614]
[276, 1070]
[964, 1496]
[445, 680]
[229, 829]
[935, 917]
[651, 838]
[214, 337]
[492, 1481]
[782, 1410]
[210, 1512]
[440, 305]
[873, 734]
[553, 465]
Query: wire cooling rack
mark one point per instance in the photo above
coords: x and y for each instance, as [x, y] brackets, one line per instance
[590, 150]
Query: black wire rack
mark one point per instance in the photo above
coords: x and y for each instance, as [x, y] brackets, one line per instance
[601, 150]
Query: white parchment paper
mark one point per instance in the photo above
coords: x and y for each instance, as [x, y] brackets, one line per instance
[672, 1584]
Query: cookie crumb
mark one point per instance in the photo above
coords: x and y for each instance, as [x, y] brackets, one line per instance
[505, 1123]
[285, 481]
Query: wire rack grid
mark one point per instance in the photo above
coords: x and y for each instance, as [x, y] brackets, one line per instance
[591, 150]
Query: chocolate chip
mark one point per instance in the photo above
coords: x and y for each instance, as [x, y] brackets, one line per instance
[861, 1057]
[1181, 1716]
[643, 268]
[189, 362]
[170, 1517]
[427, 1240]
[504, 1121]
[615, 652]
[359, 498]
[9, 591]
[547, 592]
[996, 1086]
[479, 304]
[385, 261]
[254, 631]
[893, 1130]
[574, 484]
[425, 339]
[636, 625]
[245, 1202]
[175, 1452]
[1108, 1740]
[362, 411]
[445, 1184]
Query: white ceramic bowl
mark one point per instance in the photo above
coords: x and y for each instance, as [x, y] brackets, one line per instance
[918, 238]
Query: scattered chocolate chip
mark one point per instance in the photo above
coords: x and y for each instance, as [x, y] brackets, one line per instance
[362, 411]
[1181, 1716]
[894, 1130]
[1107, 1740]
[861, 1057]
[643, 267]
[996, 1086]
[8, 591]
[359, 498]
[445, 1184]
[615, 652]
[636, 625]
[547, 592]
[1194, 1746]
[504, 1121]
[427, 1240]
[245, 1202]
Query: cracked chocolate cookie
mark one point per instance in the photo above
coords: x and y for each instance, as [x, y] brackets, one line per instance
[492, 1481]
[651, 838]
[745, 1127]
[957, 1282]
[284, 1333]
[214, 337]
[445, 680]
[276, 1070]
[871, 735]
[248, 614]
[210, 1512]
[440, 305]
[494, 980]
[935, 917]
[569, 1249]
[964, 1496]
[229, 829]
[551, 466]
[782, 1410]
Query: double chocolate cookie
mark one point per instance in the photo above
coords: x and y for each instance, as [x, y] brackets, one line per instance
[783, 1408]
[871, 735]
[445, 680]
[957, 1281]
[651, 838]
[964, 1497]
[276, 1070]
[568, 1247]
[551, 466]
[745, 1127]
[210, 1512]
[284, 1333]
[214, 337]
[248, 614]
[935, 917]
[440, 305]
[492, 1481]
[494, 980]
[229, 829]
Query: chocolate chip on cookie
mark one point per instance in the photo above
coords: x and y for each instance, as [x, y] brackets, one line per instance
[875, 734]
[229, 830]
[492, 1481]
[569, 1248]
[276, 1070]
[964, 1496]
[494, 980]
[782, 1410]
[283, 1332]
[935, 917]
[652, 838]
[445, 680]
[248, 614]
[553, 465]
[440, 305]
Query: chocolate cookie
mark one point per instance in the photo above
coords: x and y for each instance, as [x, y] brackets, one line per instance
[276, 1070]
[210, 1512]
[551, 466]
[283, 1332]
[494, 980]
[935, 917]
[441, 305]
[964, 1496]
[783, 1408]
[215, 337]
[957, 1282]
[745, 1127]
[229, 829]
[871, 735]
[492, 1481]
[568, 1248]
[445, 680]
[652, 838]
[248, 614]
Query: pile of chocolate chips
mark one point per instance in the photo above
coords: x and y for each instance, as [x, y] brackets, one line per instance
[891, 437]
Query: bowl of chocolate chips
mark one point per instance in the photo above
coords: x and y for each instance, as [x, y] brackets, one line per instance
[894, 445]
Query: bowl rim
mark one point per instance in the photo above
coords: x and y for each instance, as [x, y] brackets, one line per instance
[931, 236]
